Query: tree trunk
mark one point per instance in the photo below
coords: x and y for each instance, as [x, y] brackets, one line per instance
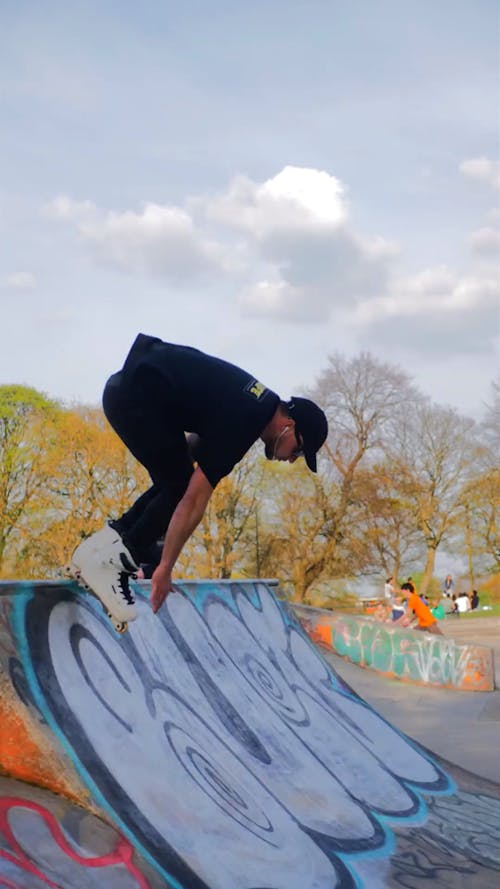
[468, 546]
[299, 583]
[396, 569]
[428, 570]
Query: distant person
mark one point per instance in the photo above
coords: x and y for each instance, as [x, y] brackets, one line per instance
[448, 605]
[474, 600]
[382, 612]
[390, 589]
[424, 617]
[463, 603]
[410, 585]
[438, 609]
[163, 392]
[398, 608]
[448, 586]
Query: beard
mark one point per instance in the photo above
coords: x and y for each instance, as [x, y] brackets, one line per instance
[269, 450]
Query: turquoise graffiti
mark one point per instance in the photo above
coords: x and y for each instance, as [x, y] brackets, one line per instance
[409, 654]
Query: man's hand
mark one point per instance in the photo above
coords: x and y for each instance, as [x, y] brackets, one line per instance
[161, 586]
[186, 517]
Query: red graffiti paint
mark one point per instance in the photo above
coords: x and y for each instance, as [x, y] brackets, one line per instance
[8, 883]
[122, 854]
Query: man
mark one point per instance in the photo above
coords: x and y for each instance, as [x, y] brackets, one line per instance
[423, 615]
[390, 589]
[162, 392]
[448, 586]
[463, 603]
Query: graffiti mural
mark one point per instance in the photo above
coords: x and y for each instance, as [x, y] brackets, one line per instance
[402, 653]
[225, 749]
[436, 660]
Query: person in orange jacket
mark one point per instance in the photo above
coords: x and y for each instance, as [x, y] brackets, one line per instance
[423, 614]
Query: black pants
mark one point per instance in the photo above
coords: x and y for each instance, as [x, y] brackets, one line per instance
[142, 412]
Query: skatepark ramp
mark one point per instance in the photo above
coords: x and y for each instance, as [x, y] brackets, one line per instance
[212, 747]
[400, 652]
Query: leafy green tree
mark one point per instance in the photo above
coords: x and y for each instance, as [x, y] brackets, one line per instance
[90, 477]
[27, 431]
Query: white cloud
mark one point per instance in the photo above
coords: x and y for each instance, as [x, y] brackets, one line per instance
[297, 198]
[434, 311]
[432, 291]
[286, 244]
[64, 207]
[284, 301]
[159, 240]
[19, 281]
[304, 258]
[483, 169]
[275, 298]
[289, 251]
[310, 195]
[486, 242]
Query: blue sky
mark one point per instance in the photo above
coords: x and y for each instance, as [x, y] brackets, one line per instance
[271, 182]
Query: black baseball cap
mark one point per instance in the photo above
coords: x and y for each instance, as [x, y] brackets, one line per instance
[312, 426]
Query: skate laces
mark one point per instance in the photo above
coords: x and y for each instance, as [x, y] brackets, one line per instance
[124, 588]
[124, 576]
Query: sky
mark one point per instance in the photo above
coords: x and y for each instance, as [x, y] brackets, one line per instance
[272, 182]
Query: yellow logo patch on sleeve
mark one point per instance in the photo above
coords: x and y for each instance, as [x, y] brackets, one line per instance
[258, 390]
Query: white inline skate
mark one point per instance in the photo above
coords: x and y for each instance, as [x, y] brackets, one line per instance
[103, 566]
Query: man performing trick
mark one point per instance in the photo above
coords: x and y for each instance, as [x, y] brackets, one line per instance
[163, 392]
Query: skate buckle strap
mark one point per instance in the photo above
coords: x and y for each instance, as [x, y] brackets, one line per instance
[129, 566]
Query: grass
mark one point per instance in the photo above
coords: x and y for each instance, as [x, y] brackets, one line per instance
[495, 612]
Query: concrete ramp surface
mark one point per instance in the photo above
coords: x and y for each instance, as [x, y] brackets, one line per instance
[224, 751]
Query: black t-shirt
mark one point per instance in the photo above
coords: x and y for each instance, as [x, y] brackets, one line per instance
[226, 406]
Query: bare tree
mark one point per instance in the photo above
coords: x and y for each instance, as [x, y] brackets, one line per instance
[385, 535]
[432, 454]
[296, 543]
[226, 533]
[362, 397]
[479, 528]
[490, 427]
[477, 534]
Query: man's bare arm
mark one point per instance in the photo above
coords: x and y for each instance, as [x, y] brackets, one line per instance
[185, 519]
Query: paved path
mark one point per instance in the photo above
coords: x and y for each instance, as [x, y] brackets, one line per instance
[482, 630]
[461, 726]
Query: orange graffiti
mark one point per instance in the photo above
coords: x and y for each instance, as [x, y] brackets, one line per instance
[21, 757]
